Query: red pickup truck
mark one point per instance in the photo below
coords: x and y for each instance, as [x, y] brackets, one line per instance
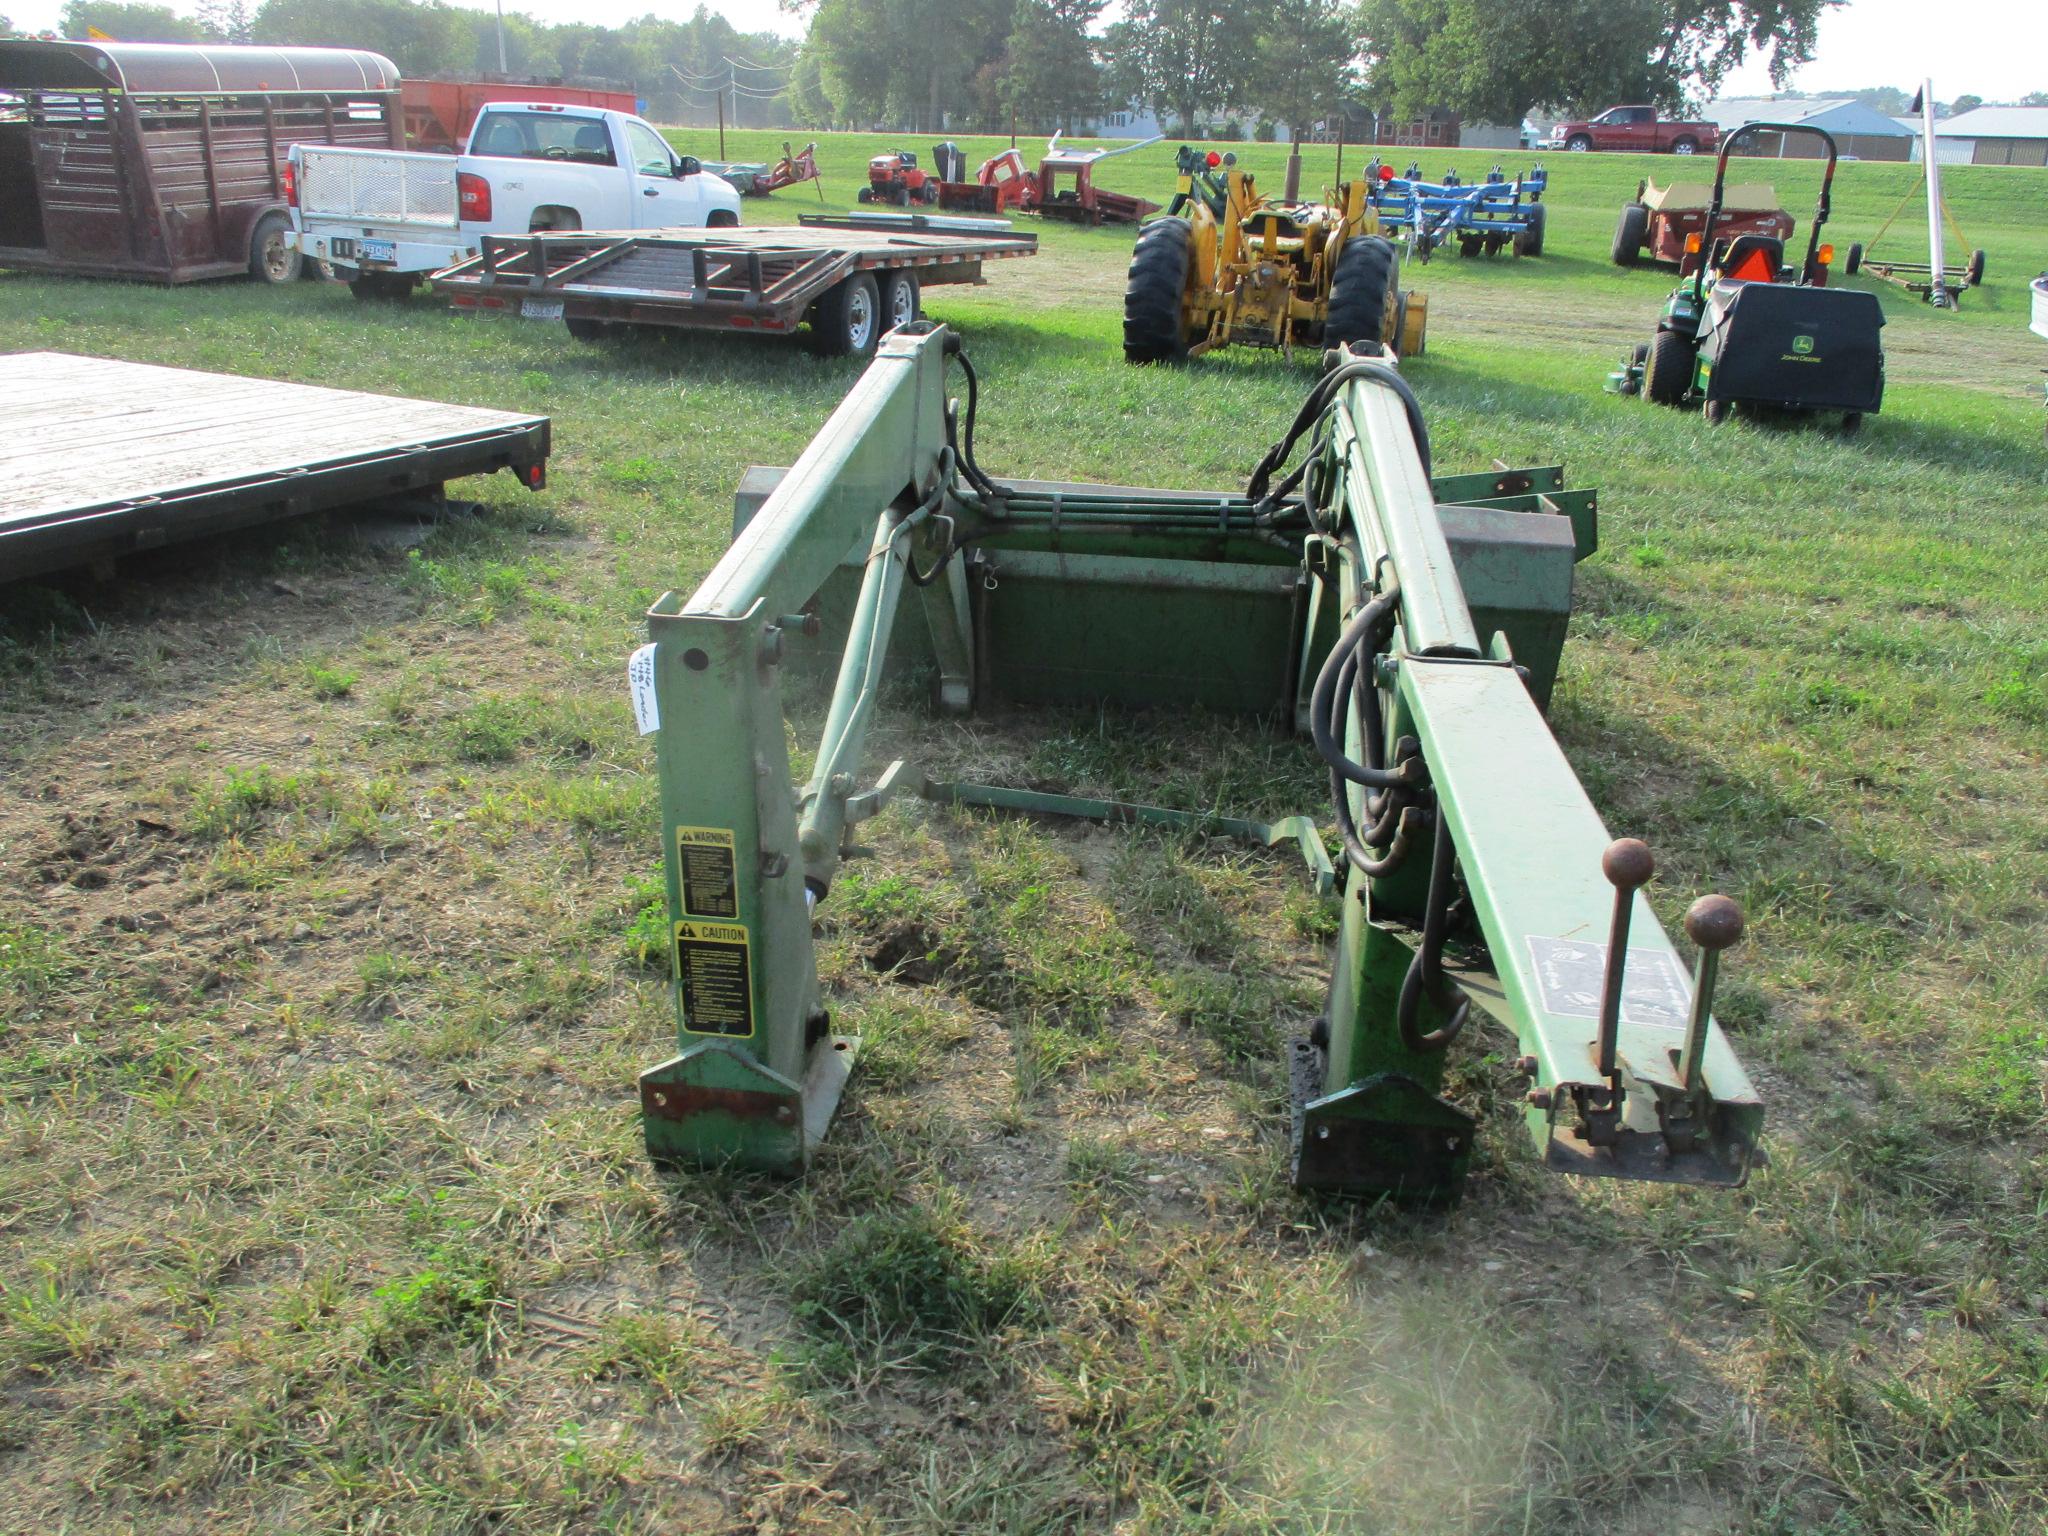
[1637, 129]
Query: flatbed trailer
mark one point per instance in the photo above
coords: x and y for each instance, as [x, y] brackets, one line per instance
[760, 279]
[104, 458]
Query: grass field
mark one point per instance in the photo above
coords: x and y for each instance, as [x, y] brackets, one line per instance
[325, 885]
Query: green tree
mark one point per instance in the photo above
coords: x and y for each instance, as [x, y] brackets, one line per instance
[129, 23]
[420, 36]
[1495, 59]
[1186, 56]
[1048, 74]
[1306, 61]
[1964, 103]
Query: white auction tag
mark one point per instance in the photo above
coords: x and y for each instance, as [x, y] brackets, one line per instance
[640, 678]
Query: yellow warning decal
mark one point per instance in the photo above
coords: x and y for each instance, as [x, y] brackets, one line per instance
[708, 871]
[714, 967]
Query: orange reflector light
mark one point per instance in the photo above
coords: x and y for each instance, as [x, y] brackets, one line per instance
[1692, 245]
[1827, 255]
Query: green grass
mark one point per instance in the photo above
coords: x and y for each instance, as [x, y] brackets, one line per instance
[332, 947]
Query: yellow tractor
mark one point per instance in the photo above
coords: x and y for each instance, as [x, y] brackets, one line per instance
[1224, 265]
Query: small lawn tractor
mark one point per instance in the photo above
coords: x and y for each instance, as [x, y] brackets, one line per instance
[1407, 623]
[1488, 216]
[1661, 218]
[896, 178]
[1748, 329]
[1228, 266]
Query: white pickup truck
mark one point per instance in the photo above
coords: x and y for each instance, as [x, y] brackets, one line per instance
[385, 218]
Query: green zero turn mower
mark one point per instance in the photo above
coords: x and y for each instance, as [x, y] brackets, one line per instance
[1748, 328]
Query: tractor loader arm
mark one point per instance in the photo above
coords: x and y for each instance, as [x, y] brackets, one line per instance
[1409, 623]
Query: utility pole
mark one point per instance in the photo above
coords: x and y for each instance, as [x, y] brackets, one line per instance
[720, 99]
[501, 39]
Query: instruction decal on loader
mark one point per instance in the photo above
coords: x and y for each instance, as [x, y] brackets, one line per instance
[1572, 976]
[714, 967]
[707, 870]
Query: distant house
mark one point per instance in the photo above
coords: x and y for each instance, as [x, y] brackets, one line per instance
[1996, 136]
[1947, 151]
[1437, 128]
[1133, 120]
[1861, 132]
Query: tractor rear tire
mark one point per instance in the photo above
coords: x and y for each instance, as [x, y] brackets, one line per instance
[1153, 289]
[1630, 234]
[1667, 376]
[1365, 295]
[1529, 242]
[1973, 274]
[1853, 262]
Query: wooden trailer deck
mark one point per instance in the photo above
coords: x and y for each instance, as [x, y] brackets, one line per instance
[103, 458]
[762, 279]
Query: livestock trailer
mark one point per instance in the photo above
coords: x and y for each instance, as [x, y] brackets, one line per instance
[166, 163]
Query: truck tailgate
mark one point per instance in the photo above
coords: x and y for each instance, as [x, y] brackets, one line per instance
[378, 187]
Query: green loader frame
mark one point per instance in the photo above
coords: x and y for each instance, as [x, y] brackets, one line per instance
[1408, 624]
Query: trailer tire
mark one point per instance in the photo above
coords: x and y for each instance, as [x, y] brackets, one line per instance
[1630, 234]
[583, 328]
[1973, 274]
[1529, 241]
[1153, 290]
[901, 302]
[849, 318]
[1853, 262]
[1365, 294]
[270, 259]
[1667, 375]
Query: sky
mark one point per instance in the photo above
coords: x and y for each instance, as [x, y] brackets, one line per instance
[1997, 49]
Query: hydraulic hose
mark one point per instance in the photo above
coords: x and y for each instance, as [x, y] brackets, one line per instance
[1322, 711]
[1318, 400]
[1426, 970]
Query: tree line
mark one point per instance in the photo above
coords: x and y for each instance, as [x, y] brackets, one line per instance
[1040, 65]
[681, 68]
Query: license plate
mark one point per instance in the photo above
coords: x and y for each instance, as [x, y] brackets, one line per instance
[380, 250]
[540, 309]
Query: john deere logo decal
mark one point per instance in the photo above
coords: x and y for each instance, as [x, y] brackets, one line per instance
[1802, 351]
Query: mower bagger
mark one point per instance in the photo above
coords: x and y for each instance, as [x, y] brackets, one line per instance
[1407, 623]
[1225, 265]
[1747, 329]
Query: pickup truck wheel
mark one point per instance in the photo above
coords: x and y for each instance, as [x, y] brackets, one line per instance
[270, 259]
[1579, 143]
[899, 300]
[849, 318]
[722, 218]
[1630, 233]
[1684, 146]
[380, 285]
